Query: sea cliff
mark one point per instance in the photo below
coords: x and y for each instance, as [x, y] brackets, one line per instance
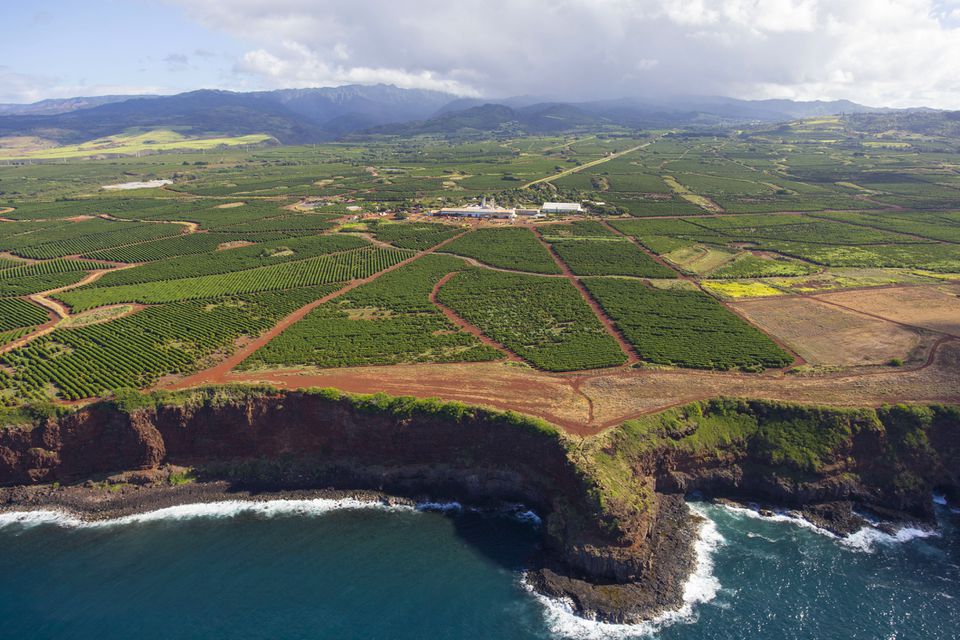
[617, 537]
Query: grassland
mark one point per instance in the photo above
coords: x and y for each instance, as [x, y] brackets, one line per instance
[129, 143]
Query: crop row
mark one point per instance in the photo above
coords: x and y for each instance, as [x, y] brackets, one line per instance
[388, 321]
[16, 313]
[235, 259]
[684, 328]
[135, 351]
[36, 284]
[183, 245]
[414, 235]
[507, 248]
[616, 257]
[74, 241]
[341, 267]
[543, 320]
[48, 267]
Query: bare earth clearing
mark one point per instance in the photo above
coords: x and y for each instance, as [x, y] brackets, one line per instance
[588, 403]
[936, 308]
[823, 334]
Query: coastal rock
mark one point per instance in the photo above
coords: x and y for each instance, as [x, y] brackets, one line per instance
[618, 539]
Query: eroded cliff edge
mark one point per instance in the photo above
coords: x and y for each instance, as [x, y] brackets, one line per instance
[617, 536]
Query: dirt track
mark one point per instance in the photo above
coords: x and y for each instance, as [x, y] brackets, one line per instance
[218, 374]
[587, 403]
[625, 346]
[454, 318]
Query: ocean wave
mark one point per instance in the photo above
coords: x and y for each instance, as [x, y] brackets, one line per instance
[940, 499]
[702, 586]
[779, 516]
[210, 510]
[527, 516]
[867, 539]
[233, 508]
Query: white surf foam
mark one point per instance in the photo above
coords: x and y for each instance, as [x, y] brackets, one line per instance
[527, 516]
[939, 499]
[866, 539]
[213, 510]
[779, 516]
[27, 519]
[701, 587]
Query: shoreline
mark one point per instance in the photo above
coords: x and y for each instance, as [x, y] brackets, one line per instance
[92, 504]
[98, 503]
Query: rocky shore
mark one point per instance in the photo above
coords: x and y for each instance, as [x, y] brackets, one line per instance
[617, 538]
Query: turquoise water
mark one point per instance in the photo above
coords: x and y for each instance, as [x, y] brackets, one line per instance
[311, 571]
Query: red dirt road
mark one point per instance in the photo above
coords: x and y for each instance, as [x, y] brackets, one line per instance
[218, 373]
[453, 317]
[626, 347]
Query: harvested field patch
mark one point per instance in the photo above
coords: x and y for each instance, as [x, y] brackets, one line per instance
[826, 335]
[935, 307]
[99, 316]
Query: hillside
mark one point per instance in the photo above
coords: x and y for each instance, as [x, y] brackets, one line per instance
[299, 116]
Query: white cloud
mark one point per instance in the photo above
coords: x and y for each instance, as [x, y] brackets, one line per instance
[24, 88]
[888, 52]
[297, 66]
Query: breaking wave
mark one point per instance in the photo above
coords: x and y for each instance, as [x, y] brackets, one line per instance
[211, 510]
[867, 539]
[702, 586]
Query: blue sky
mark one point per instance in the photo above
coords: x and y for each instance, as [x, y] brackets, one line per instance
[64, 48]
[878, 52]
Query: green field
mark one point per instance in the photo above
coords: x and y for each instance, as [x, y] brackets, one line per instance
[515, 249]
[684, 328]
[130, 143]
[389, 321]
[249, 232]
[543, 320]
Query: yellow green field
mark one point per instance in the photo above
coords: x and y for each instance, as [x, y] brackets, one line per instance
[741, 289]
[130, 143]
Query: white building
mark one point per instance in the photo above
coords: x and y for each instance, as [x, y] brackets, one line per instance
[485, 210]
[561, 207]
[478, 212]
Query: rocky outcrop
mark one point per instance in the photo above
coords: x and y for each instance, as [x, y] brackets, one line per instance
[617, 537]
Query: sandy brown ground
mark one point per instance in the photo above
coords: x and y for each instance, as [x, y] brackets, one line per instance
[824, 334]
[935, 307]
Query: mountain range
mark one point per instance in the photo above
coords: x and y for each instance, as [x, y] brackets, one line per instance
[295, 116]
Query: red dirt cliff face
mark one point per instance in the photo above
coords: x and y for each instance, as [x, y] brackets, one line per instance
[614, 559]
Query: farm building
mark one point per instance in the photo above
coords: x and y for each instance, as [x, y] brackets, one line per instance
[561, 207]
[477, 212]
[485, 210]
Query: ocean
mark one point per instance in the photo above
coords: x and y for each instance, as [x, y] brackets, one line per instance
[344, 570]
